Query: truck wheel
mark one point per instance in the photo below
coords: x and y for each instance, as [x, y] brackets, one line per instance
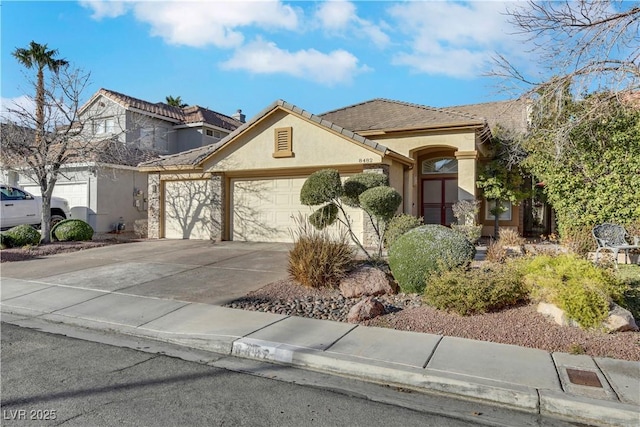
[55, 219]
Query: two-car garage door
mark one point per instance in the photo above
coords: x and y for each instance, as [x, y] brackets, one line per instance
[263, 210]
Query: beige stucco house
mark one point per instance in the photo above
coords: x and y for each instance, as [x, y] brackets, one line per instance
[247, 186]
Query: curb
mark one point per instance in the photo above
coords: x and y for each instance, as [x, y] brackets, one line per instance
[527, 399]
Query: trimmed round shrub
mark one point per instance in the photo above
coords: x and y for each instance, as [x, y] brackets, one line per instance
[71, 230]
[424, 250]
[399, 225]
[21, 235]
[359, 183]
[476, 291]
[324, 217]
[321, 187]
[381, 202]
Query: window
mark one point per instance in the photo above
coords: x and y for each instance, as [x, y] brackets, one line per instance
[215, 134]
[154, 138]
[440, 165]
[504, 216]
[282, 144]
[103, 126]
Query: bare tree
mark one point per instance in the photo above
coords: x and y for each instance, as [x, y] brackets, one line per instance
[581, 47]
[38, 142]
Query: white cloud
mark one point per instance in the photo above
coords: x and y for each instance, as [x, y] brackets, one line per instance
[454, 39]
[18, 110]
[339, 16]
[262, 57]
[105, 9]
[201, 23]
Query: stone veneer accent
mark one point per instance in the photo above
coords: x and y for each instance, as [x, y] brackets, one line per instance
[153, 206]
[217, 208]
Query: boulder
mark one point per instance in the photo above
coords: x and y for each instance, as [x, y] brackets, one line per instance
[366, 309]
[619, 320]
[365, 281]
[558, 315]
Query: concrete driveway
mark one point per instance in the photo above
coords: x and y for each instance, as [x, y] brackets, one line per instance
[183, 270]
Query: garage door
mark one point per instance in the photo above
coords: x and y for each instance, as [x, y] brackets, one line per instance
[75, 193]
[187, 209]
[263, 209]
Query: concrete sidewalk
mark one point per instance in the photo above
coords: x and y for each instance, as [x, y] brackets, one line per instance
[597, 391]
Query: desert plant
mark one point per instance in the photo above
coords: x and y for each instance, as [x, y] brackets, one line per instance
[359, 183]
[426, 249]
[509, 237]
[466, 211]
[399, 225]
[20, 235]
[581, 289]
[471, 232]
[317, 259]
[579, 239]
[71, 230]
[473, 291]
[496, 252]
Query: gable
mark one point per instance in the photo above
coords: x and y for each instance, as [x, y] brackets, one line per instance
[312, 145]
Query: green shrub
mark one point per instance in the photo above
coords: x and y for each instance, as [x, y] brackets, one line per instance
[399, 225]
[324, 217]
[381, 202]
[471, 232]
[630, 275]
[359, 183]
[5, 240]
[581, 289]
[21, 235]
[322, 186]
[71, 230]
[426, 249]
[317, 259]
[474, 291]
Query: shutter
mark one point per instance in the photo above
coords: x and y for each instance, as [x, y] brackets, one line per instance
[282, 142]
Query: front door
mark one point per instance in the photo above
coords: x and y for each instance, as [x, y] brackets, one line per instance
[438, 197]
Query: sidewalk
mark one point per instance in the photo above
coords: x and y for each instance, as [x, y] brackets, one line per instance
[597, 391]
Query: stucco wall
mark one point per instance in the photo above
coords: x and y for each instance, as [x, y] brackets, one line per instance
[120, 193]
[313, 146]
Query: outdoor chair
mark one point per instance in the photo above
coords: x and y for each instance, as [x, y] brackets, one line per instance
[613, 237]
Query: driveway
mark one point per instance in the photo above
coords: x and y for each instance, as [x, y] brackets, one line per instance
[184, 270]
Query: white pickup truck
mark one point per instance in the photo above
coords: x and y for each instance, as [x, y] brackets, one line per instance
[19, 207]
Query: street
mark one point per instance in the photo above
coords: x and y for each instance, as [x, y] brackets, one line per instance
[51, 379]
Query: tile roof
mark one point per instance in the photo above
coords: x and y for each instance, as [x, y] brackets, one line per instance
[191, 114]
[386, 114]
[196, 156]
[512, 115]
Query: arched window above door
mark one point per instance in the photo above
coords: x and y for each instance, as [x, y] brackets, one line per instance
[439, 165]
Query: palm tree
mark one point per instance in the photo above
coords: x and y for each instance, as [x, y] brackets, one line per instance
[175, 102]
[41, 57]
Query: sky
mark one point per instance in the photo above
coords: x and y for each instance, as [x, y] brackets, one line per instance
[230, 55]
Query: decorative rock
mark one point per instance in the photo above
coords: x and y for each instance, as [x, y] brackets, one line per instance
[366, 309]
[365, 281]
[619, 320]
[558, 315]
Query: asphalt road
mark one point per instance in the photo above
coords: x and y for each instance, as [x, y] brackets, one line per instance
[50, 379]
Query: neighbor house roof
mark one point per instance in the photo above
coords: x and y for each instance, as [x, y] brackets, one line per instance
[388, 115]
[512, 115]
[177, 115]
[198, 155]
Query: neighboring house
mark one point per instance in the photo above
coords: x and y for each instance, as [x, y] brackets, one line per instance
[247, 186]
[105, 187]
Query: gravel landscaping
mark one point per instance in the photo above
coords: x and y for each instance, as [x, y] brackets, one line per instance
[521, 326]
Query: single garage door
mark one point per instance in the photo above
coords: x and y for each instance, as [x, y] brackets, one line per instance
[76, 193]
[263, 209]
[187, 209]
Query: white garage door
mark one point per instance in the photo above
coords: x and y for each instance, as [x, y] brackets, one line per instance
[263, 209]
[74, 192]
[187, 209]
